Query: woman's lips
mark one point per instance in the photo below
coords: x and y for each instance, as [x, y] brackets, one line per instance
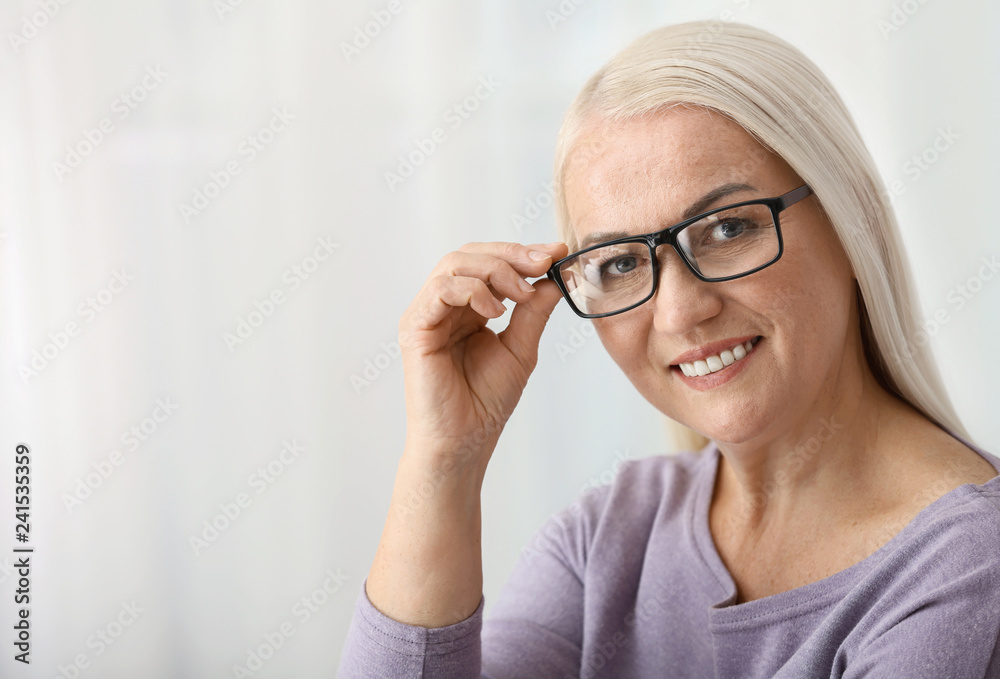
[705, 363]
[720, 377]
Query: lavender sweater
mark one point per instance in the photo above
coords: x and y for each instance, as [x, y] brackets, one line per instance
[626, 582]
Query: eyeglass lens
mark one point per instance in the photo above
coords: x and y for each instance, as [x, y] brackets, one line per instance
[727, 243]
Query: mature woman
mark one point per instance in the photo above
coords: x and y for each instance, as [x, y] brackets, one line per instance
[742, 267]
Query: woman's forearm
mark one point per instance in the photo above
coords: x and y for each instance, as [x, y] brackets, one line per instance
[428, 569]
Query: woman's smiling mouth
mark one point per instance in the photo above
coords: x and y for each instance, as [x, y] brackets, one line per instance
[716, 362]
[711, 370]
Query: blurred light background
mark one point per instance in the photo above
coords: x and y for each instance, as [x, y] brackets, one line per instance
[203, 356]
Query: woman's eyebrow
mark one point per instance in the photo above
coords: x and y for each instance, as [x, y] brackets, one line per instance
[599, 236]
[697, 207]
[706, 201]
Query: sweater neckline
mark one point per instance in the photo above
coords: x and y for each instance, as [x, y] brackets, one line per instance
[815, 594]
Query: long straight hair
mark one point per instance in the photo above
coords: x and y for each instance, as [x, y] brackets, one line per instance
[783, 100]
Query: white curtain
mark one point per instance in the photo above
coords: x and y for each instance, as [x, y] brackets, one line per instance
[203, 263]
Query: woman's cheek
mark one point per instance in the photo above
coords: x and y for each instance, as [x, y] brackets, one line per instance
[623, 346]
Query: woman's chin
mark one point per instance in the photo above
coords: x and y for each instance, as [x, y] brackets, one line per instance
[728, 429]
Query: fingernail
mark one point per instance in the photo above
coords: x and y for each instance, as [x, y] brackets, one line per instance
[525, 285]
[499, 305]
[537, 256]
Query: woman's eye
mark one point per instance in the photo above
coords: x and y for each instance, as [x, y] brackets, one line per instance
[620, 265]
[624, 265]
[727, 230]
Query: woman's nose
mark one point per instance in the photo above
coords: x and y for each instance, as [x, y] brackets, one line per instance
[682, 301]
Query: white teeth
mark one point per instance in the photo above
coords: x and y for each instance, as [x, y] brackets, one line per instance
[713, 364]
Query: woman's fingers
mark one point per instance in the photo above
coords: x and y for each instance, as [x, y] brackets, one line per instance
[499, 274]
[480, 276]
[527, 321]
[442, 294]
[528, 260]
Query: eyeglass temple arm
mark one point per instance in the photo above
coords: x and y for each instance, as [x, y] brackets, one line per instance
[794, 196]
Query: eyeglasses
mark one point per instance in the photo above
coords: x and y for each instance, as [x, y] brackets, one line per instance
[719, 245]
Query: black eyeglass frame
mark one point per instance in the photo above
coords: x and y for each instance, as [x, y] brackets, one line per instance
[669, 235]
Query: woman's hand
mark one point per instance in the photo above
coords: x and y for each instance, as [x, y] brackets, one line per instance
[462, 379]
[462, 383]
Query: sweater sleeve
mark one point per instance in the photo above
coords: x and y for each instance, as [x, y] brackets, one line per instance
[379, 647]
[535, 628]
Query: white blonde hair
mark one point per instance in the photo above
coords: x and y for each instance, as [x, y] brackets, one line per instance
[781, 99]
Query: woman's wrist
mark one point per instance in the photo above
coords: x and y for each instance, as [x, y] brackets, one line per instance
[428, 568]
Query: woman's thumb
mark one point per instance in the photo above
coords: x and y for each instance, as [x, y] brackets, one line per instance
[527, 322]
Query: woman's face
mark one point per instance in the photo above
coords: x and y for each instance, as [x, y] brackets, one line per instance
[646, 174]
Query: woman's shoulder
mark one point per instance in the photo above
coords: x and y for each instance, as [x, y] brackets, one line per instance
[941, 571]
[965, 461]
[969, 508]
[939, 464]
[959, 529]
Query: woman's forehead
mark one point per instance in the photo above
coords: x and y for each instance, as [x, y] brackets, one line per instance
[652, 169]
[628, 214]
[673, 144]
